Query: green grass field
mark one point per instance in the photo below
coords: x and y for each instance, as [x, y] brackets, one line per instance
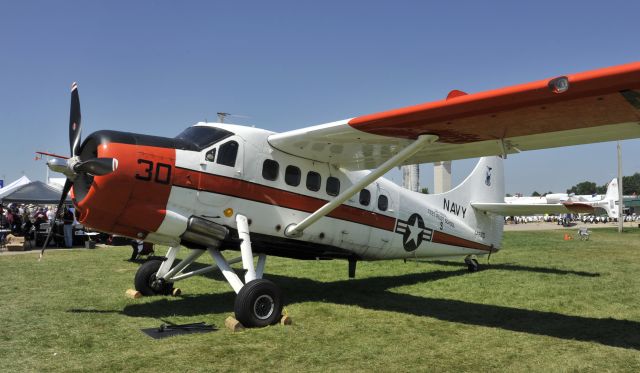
[542, 304]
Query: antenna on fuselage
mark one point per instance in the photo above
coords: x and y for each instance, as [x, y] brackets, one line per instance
[221, 116]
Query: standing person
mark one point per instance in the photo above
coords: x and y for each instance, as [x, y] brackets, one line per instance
[10, 219]
[38, 218]
[3, 218]
[17, 221]
[67, 218]
[41, 215]
[137, 246]
[51, 214]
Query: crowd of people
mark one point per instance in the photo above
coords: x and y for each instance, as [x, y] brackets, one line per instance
[32, 222]
[27, 220]
[568, 219]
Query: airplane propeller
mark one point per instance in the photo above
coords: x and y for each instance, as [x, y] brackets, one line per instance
[74, 166]
[75, 121]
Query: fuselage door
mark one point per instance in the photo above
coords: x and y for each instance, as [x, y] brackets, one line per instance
[385, 206]
[356, 236]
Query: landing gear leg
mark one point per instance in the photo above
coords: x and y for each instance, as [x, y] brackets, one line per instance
[156, 277]
[148, 279]
[259, 301]
[472, 263]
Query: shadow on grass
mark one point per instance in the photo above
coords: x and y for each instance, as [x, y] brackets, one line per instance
[373, 293]
[515, 267]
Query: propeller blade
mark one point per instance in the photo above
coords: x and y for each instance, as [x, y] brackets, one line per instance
[75, 120]
[65, 190]
[97, 166]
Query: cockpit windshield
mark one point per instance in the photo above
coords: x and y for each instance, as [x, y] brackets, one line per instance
[203, 136]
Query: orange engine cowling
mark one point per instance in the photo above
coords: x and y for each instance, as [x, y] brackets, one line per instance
[132, 200]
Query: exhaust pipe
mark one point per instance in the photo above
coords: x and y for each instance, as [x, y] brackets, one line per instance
[204, 232]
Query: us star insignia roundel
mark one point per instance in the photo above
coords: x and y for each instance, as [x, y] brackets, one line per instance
[413, 232]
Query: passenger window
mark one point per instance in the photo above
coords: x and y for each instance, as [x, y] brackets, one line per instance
[292, 176]
[228, 154]
[211, 155]
[333, 186]
[313, 181]
[270, 169]
[365, 197]
[383, 202]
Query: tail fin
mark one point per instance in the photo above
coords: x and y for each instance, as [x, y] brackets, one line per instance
[611, 201]
[484, 184]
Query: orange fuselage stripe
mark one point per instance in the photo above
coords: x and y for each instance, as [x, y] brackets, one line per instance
[202, 181]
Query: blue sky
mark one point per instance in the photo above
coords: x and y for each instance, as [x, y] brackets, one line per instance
[157, 67]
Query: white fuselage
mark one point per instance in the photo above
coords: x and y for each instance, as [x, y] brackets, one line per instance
[377, 224]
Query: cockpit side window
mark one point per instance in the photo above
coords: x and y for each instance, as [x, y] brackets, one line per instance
[228, 153]
[203, 136]
[211, 155]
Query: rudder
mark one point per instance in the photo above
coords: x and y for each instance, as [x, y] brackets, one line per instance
[484, 184]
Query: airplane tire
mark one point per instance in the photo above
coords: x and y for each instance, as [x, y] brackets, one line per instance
[473, 266]
[258, 304]
[145, 279]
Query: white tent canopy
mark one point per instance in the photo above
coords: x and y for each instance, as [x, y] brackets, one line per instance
[56, 182]
[14, 185]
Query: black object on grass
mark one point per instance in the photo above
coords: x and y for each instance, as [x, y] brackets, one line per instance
[169, 330]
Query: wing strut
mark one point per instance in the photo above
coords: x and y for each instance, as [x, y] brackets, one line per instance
[295, 230]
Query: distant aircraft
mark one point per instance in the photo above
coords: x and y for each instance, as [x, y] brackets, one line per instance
[571, 203]
[309, 194]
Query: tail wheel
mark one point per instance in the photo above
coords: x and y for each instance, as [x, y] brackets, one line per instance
[146, 281]
[258, 304]
[473, 266]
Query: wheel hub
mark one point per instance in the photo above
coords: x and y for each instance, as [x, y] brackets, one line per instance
[159, 285]
[263, 307]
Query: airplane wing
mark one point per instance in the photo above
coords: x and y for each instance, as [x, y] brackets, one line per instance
[513, 209]
[593, 106]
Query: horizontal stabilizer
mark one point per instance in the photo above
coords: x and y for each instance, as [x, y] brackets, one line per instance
[512, 209]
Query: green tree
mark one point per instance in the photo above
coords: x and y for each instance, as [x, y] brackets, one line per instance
[424, 190]
[631, 184]
[585, 187]
[535, 194]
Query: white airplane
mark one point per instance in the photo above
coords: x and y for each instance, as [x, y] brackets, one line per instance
[570, 203]
[317, 192]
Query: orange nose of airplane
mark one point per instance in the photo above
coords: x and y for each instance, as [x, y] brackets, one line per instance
[130, 201]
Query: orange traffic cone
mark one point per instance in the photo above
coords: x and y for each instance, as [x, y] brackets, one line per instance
[567, 237]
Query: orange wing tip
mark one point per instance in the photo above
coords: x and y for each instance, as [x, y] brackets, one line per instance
[512, 104]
